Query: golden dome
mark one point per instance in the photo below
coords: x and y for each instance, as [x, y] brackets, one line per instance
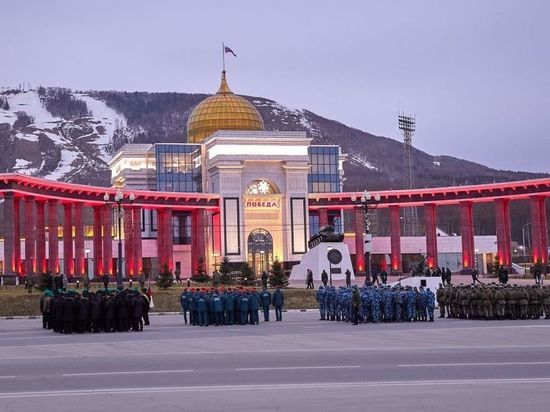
[222, 111]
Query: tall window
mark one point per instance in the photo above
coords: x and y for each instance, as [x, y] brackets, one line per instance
[324, 175]
[179, 167]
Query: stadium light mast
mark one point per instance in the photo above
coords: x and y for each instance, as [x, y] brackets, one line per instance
[407, 125]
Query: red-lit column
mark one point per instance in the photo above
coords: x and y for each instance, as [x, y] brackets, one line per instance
[53, 239]
[40, 237]
[17, 234]
[198, 238]
[359, 242]
[395, 239]
[128, 242]
[68, 263]
[161, 239]
[79, 241]
[30, 240]
[107, 220]
[323, 217]
[504, 236]
[539, 230]
[169, 242]
[467, 233]
[9, 234]
[216, 233]
[431, 234]
[97, 242]
[136, 235]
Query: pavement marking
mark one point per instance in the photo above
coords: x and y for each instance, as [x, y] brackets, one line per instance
[126, 372]
[413, 365]
[297, 367]
[7, 377]
[270, 387]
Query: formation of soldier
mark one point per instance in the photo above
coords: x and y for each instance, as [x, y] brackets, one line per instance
[101, 311]
[377, 304]
[238, 306]
[492, 301]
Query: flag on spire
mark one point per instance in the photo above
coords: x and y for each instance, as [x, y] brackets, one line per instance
[228, 50]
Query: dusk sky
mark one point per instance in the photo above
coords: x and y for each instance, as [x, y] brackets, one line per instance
[475, 73]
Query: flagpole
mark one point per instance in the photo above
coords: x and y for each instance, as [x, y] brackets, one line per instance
[223, 56]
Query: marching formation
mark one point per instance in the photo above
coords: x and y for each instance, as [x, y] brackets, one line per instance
[494, 301]
[376, 304]
[101, 311]
[229, 307]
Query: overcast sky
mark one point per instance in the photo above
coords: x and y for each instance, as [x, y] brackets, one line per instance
[475, 73]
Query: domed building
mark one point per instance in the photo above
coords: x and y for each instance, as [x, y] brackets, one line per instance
[222, 111]
[261, 180]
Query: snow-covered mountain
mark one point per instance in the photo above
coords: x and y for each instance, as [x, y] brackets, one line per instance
[68, 135]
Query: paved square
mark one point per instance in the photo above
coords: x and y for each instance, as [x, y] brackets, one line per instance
[299, 364]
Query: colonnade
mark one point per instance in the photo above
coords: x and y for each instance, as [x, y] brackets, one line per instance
[538, 225]
[42, 237]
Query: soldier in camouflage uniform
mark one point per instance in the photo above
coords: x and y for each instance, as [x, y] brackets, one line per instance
[440, 295]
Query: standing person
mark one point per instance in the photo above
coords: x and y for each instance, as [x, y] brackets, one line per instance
[278, 302]
[184, 300]
[440, 294]
[448, 275]
[324, 278]
[266, 302]
[502, 275]
[321, 299]
[384, 276]
[348, 278]
[265, 277]
[537, 273]
[430, 304]
[356, 304]
[310, 279]
[254, 307]
[475, 279]
[244, 308]
[202, 308]
[375, 277]
[178, 276]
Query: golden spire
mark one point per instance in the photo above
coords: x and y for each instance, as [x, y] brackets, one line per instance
[224, 87]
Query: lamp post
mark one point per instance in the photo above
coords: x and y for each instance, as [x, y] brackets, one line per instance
[87, 272]
[369, 202]
[119, 200]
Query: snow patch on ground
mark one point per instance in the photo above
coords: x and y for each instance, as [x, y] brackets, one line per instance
[110, 119]
[362, 160]
[31, 137]
[21, 163]
[29, 102]
[64, 166]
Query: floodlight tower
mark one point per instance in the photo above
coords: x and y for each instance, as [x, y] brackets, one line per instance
[407, 125]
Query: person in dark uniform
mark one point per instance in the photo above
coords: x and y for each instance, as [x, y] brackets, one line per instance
[324, 278]
[278, 302]
[348, 278]
[266, 302]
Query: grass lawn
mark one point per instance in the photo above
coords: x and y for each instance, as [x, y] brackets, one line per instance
[16, 301]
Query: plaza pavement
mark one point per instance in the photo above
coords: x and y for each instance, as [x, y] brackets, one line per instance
[300, 364]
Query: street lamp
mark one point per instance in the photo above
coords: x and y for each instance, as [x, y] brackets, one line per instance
[119, 200]
[369, 202]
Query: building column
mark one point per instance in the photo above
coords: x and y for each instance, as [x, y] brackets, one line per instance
[107, 221]
[10, 219]
[395, 239]
[30, 240]
[53, 239]
[431, 234]
[169, 240]
[97, 246]
[128, 242]
[137, 248]
[68, 263]
[504, 236]
[40, 237]
[161, 239]
[359, 240]
[323, 217]
[198, 242]
[17, 231]
[79, 255]
[539, 230]
[467, 233]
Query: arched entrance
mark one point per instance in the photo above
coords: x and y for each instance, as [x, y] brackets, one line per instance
[260, 250]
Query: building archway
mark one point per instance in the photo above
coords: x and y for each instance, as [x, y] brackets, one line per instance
[260, 250]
